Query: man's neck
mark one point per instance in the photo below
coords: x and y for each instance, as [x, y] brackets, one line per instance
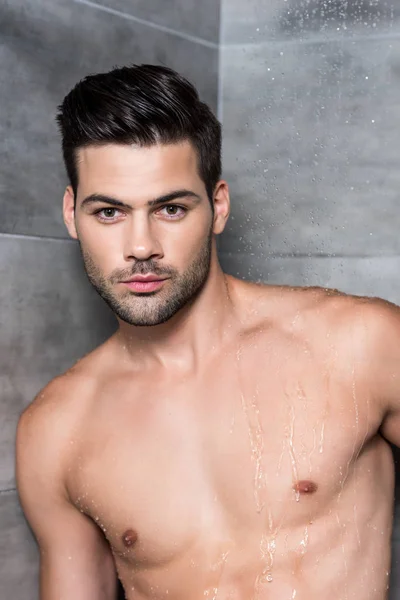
[191, 334]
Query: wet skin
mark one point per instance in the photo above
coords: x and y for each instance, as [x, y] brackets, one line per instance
[263, 474]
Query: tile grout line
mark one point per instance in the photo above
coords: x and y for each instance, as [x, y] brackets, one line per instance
[302, 256]
[128, 17]
[8, 490]
[36, 237]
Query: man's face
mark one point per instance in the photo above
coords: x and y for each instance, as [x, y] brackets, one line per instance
[171, 239]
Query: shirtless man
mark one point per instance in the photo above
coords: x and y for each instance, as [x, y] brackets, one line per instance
[230, 440]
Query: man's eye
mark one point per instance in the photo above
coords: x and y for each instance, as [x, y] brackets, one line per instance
[108, 213]
[172, 210]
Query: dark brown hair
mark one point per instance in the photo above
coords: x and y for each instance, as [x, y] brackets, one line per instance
[143, 105]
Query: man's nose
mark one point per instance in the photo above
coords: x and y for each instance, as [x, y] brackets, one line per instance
[140, 241]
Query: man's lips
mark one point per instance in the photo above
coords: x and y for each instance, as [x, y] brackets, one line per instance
[145, 278]
[144, 284]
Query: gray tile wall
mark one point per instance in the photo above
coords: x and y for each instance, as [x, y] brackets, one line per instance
[50, 314]
[311, 115]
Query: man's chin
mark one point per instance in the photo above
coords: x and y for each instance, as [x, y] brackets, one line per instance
[144, 322]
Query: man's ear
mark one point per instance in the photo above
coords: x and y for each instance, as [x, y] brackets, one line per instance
[69, 212]
[221, 206]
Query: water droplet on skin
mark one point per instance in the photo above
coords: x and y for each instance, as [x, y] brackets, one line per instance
[313, 450]
[256, 435]
[304, 541]
[232, 424]
[291, 450]
[321, 439]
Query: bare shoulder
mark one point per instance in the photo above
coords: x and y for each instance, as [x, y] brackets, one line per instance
[361, 324]
[54, 407]
[44, 430]
[64, 394]
[59, 410]
[59, 398]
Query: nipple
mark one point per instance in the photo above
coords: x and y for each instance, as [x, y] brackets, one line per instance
[305, 486]
[129, 538]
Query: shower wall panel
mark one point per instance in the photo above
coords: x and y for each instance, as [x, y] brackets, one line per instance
[310, 150]
[258, 21]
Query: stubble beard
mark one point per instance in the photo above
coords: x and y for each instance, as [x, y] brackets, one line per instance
[152, 308]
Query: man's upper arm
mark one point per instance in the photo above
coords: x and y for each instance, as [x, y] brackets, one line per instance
[75, 559]
[382, 362]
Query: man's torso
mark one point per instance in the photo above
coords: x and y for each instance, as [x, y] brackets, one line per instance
[261, 476]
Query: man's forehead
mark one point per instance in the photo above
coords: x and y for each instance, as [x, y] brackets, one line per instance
[127, 156]
[123, 170]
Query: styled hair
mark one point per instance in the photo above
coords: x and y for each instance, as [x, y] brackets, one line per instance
[142, 105]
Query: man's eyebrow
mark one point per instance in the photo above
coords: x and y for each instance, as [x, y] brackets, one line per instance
[94, 198]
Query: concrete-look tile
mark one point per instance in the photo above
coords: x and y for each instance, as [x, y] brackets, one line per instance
[394, 584]
[19, 554]
[311, 147]
[200, 19]
[50, 317]
[260, 21]
[394, 593]
[46, 48]
[375, 277]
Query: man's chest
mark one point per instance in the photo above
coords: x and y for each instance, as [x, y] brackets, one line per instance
[243, 451]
